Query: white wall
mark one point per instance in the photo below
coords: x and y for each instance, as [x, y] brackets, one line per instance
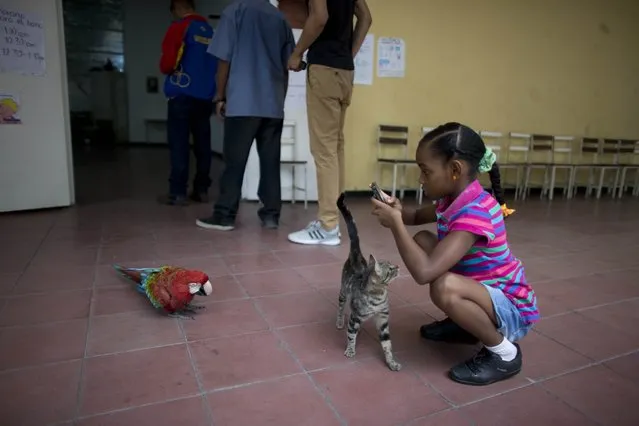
[145, 22]
[35, 157]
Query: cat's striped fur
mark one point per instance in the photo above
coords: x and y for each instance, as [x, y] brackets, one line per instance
[365, 284]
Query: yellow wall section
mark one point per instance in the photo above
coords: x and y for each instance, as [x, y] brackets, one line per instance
[568, 67]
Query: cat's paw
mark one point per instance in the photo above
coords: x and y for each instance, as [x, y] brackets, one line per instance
[339, 323]
[394, 365]
[349, 352]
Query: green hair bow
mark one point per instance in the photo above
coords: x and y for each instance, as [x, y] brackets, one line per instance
[487, 161]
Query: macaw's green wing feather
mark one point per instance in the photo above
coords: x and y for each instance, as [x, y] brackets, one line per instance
[158, 288]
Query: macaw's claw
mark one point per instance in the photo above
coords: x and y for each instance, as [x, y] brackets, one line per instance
[195, 307]
[181, 315]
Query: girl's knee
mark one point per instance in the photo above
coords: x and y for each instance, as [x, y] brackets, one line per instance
[426, 240]
[444, 290]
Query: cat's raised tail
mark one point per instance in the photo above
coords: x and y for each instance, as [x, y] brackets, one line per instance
[353, 235]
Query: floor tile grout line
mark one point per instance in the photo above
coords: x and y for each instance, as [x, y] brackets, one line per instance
[567, 404]
[594, 363]
[80, 394]
[197, 375]
[587, 318]
[285, 327]
[146, 404]
[439, 413]
[589, 308]
[26, 266]
[434, 388]
[406, 304]
[287, 348]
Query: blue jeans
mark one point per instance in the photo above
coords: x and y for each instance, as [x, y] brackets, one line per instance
[510, 322]
[186, 116]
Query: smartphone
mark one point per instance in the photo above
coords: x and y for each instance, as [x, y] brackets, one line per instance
[378, 194]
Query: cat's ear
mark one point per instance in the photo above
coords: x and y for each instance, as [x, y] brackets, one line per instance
[374, 265]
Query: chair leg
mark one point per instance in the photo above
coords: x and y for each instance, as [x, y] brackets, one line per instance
[305, 188]
[635, 188]
[616, 183]
[602, 174]
[520, 178]
[551, 188]
[569, 183]
[394, 180]
[293, 186]
[403, 183]
[526, 182]
[622, 184]
[591, 179]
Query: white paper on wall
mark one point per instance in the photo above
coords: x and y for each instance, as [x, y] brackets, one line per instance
[365, 61]
[21, 42]
[391, 57]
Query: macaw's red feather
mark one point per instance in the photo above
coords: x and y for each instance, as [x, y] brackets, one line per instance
[171, 289]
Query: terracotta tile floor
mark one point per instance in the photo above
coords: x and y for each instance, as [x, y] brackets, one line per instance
[79, 346]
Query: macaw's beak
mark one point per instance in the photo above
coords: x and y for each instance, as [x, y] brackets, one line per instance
[206, 289]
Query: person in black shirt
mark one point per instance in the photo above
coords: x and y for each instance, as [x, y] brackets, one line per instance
[332, 43]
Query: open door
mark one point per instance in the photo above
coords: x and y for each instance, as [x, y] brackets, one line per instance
[36, 169]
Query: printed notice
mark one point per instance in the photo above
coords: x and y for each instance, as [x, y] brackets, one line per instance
[391, 57]
[21, 42]
[365, 61]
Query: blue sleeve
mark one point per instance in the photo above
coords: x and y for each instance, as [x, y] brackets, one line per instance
[223, 42]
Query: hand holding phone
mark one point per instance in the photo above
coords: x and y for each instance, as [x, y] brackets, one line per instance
[378, 194]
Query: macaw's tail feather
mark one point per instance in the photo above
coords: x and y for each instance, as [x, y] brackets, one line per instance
[134, 275]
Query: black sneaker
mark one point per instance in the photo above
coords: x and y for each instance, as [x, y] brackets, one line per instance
[199, 197]
[270, 223]
[214, 223]
[486, 368]
[173, 200]
[447, 331]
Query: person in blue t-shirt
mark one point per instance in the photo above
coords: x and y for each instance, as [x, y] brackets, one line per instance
[252, 42]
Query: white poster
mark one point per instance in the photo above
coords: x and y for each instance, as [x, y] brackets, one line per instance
[391, 57]
[365, 61]
[21, 42]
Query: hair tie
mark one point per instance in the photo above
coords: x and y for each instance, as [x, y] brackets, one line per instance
[487, 161]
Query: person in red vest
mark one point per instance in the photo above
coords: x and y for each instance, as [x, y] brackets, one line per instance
[189, 87]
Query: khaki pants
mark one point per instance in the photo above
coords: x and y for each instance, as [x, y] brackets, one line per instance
[328, 95]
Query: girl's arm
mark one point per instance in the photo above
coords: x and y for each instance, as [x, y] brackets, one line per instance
[447, 253]
[422, 216]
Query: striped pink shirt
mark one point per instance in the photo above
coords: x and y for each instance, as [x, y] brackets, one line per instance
[490, 260]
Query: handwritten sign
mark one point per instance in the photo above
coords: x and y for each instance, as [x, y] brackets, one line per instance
[21, 42]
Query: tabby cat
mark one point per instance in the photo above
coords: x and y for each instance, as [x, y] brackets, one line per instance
[366, 285]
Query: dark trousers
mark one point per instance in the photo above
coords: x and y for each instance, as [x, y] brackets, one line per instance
[186, 116]
[239, 133]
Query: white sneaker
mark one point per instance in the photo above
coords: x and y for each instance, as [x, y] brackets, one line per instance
[314, 234]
